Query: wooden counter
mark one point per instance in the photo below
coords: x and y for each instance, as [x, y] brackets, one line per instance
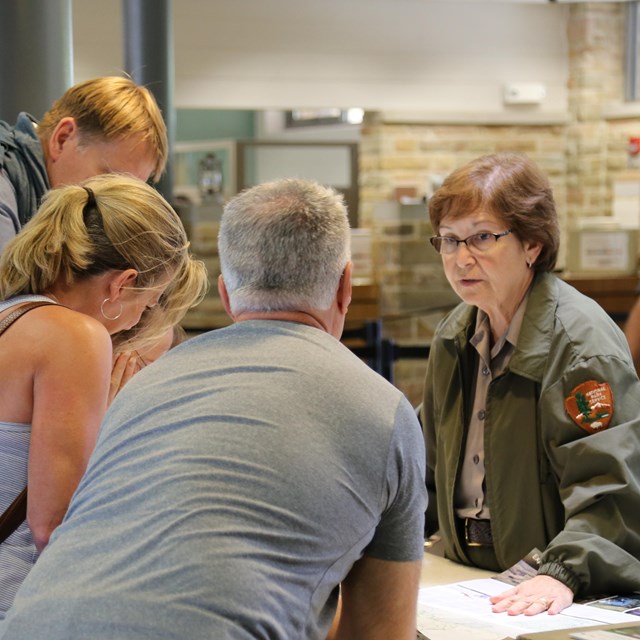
[616, 294]
[210, 314]
[365, 304]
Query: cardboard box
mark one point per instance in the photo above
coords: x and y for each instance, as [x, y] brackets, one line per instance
[601, 247]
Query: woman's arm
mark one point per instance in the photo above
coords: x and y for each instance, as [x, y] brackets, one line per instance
[598, 475]
[70, 390]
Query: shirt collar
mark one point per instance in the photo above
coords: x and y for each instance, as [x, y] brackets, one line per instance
[513, 330]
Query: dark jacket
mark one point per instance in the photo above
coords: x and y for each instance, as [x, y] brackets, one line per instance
[23, 174]
[550, 484]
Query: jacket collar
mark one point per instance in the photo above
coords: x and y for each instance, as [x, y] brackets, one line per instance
[534, 342]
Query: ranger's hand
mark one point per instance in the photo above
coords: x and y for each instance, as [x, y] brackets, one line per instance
[533, 596]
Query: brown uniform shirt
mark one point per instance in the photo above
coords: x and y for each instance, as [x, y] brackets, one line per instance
[470, 498]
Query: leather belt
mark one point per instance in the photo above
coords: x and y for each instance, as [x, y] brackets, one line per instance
[477, 533]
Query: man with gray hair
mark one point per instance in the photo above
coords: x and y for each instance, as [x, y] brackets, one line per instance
[253, 473]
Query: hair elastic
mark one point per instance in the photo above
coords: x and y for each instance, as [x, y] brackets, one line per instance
[91, 198]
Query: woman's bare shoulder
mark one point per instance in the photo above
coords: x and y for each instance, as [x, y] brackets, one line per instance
[57, 328]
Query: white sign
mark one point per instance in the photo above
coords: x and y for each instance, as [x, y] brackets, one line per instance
[604, 250]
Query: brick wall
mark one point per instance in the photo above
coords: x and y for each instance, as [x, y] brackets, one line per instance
[595, 150]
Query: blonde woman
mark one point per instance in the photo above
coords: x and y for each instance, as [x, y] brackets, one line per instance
[107, 254]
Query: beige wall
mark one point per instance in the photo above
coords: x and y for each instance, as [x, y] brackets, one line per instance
[437, 55]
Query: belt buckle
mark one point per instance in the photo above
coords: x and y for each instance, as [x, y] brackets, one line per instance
[467, 538]
[477, 533]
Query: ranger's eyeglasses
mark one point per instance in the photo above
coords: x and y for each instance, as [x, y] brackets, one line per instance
[477, 243]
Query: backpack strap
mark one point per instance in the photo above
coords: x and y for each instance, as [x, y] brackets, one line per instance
[14, 515]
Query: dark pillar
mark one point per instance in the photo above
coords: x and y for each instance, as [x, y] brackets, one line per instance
[148, 41]
[36, 55]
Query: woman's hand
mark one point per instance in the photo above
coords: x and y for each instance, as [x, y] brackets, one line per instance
[125, 366]
[533, 596]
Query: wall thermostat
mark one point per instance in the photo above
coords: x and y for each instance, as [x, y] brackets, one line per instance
[524, 93]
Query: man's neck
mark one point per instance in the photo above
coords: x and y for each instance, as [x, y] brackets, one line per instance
[310, 318]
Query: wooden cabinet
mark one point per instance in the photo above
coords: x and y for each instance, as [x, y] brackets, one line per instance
[616, 295]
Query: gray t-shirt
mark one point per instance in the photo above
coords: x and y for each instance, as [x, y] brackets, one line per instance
[234, 484]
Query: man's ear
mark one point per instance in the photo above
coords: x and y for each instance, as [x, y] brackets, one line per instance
[224, 296]
[122, 282]
[345, 289]
[65, 131]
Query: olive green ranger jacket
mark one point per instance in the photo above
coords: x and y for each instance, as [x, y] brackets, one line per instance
[550, 484]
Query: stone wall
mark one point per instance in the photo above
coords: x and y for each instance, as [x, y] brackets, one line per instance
[582, 156]
[595, 150]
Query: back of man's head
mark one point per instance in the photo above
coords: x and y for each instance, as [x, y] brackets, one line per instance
[283, 246]
[111, 108]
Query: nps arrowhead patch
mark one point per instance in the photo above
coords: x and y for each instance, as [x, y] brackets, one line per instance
[590, 405]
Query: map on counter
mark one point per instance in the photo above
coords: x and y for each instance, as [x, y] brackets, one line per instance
[462, 609]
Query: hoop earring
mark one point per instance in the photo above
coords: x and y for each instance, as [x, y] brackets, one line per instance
[529, 264]
[104, 315]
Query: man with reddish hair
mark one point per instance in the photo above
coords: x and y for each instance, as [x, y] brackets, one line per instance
[104, 125]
